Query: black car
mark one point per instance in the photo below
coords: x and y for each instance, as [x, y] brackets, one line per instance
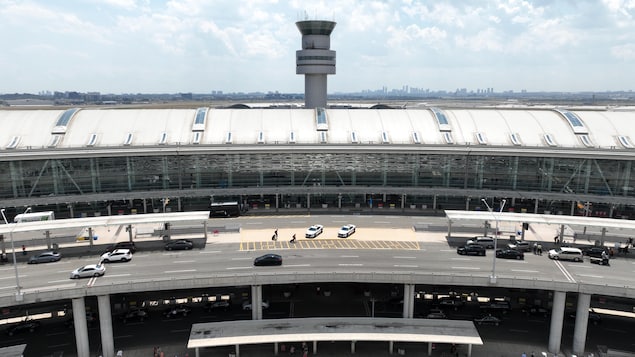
[471, 249]
[268, 259]
[224, 305]
[594, 252]
[134, 315]
[510, 254]
[122, 245]
[180, 244]
[27, 325]
[536, 310]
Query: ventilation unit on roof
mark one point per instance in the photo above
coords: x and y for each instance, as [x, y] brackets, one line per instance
[199, 119]
[92, 140]
[62, 122]
[515, 138]
[625, 141]
[55, 139]
[448, 137]
[292, 137]
[196, 137]
[586, 140]
[15, 140]
[261, 138]
[228, 138]
[550, 140]
[164, 138]
[480, 137]
[354, 139]
[320, 119]
[415, 137]
[128, 140]
[323, 137]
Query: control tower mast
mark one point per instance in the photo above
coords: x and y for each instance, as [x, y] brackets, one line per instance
[315, 60]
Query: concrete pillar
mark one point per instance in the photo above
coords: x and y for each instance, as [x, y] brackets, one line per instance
[196, 352]
[49, 244]
[603, 236]
[430, 348]
[581, 323]
[352, 347]
[391, 347]
[237, 350]
[314, 347]
[557, 319]
[277, 202]
[408, 301]
[536, 206]
[275, 348]
[469, 350]
[90, 236]
[256, 302]
[105, 326]
[81, 330]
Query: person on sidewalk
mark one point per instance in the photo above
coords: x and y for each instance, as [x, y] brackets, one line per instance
[292, 239]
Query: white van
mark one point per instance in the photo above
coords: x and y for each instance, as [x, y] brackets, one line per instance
[566, 253]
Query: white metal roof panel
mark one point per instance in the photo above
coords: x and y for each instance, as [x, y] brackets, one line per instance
[32, 126]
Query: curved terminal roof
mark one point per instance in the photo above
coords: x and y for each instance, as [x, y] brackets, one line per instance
[514, 130]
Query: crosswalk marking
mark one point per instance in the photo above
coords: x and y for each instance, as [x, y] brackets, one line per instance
[330, 244]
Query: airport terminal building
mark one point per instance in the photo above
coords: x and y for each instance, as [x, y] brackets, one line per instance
[91, 161]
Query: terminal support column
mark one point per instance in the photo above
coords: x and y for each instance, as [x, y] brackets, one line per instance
[105, 325]
[408, 300]
[581, 323]
[256, 302]
[557, 317]
[81, 330]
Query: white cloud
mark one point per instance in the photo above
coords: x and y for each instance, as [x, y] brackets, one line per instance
[624, 52]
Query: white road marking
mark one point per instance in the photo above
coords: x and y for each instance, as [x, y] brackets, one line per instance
[242, 258]
[116, 275]
[296, 265]
[461, 258]
[468, 268]
[525, 271]
[592, 276]
[209, 251]
[254, 223]
[184, 261]
[235, 268]
[402, 257]
[349, 256]
[179, 271]
[350, 265]
[405, 266]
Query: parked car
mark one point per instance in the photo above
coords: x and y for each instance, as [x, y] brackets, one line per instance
[346, 231]
[436, 314]
[247, 305]
[45, 257]
[471, 249]
[224, 305]
[179, 244]
[502, 306]
[486, 242]
[314, 231]
[27, 325]
[117, 255]
[122, 245]
[268, 259]
[594, 252]
[522, 246]
[536, 310]
[594, 317]
[177, 310]
[488, 320]
[566, 253]
[134, 315]
[450, 302]
[510, 254]
[89, 270]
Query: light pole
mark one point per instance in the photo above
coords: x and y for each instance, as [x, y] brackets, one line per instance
[493, 276]
[18, 295]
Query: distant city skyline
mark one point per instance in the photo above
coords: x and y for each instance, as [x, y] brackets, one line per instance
[190, 46]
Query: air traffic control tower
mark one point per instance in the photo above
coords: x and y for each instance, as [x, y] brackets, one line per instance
[315, 60]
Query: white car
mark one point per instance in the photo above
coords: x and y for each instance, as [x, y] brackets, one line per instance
[314, 231]
[117, 255]
[346, 231]
[247, 305]
[88, 271]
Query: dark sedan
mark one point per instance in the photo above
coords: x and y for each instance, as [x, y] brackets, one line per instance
[181, 244]
[594, 252]
[510, 254]
[471, 249]
[45, 257]
[268, 259]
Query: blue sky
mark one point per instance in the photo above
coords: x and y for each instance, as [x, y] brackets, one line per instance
[144, 46]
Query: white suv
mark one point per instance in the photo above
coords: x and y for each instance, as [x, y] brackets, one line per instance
[566, 253]
[117, 255]
[485, 242]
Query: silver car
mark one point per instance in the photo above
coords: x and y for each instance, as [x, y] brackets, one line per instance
[88, 271]
[45, 257]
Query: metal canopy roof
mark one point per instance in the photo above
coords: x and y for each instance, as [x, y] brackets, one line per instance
[455, 215]
[105, 221]
[226, 333]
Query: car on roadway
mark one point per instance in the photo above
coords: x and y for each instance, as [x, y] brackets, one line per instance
[26, 325]
[346, 231]
[134, 315]
[536, 310]
[486, 242]
[436, 314]
[117, 255]
[122, 245]
[314, 231]
[502, 306]
[522, 246]
[247, 305]
[451, 302]
[268, 259]
[224, 305]
[488, 320]
[45, 257]
[471, 249]
[179, 244]
[510, 254]
[88, 271]
[594, 252]
[566, 253]
[174, 311]
[594, 317]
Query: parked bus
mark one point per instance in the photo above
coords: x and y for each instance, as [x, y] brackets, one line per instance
[34, 217]
[224, 209]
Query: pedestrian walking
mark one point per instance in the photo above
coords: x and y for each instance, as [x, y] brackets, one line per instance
[292, 239]
[539, 249]
[23, 249]
[275, 233]
[535, 246]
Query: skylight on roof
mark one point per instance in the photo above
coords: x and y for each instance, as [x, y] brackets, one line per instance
[586, 140]
[128, 140]
[384, 138]
[228, 139]
[196, 137]
[92, 140]
[415, 137]
[292, 137]
[442, 119]
[320, 119]
[481, 138]
[55, 139]
[354, 139]
[15, 140]
[515, 138]
[63, 120]
[448, 137]
[164, 138]
[574, 121]
[625, 141]
[199, 119]
[261, 138]
[323, 137]
[550, 140]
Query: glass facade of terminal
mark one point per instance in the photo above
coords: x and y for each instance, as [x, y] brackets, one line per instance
[116, 175]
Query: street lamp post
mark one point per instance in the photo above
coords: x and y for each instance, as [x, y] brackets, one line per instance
[493, 276]
[18, 294]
